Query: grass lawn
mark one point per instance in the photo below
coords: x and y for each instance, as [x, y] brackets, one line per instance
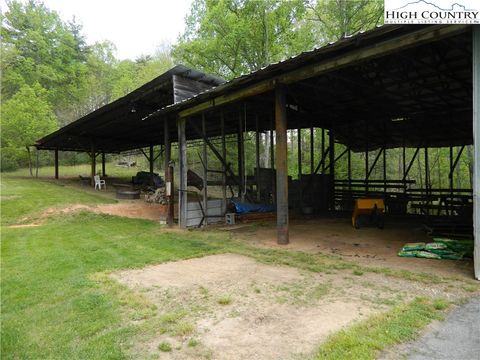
[55, 304]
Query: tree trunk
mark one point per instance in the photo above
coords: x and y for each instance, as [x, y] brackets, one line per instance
[29, 160]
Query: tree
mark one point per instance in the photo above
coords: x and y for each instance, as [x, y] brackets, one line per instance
[25, 117]
[42, 49]
[232, 37]
[334, 19]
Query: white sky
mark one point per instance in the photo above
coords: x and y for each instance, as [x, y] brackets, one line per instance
[135, 27]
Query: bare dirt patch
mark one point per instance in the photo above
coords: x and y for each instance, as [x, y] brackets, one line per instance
[232, 307]
[366, 246]
[131, 209]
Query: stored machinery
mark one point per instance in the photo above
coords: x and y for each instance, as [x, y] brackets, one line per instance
[368, 212]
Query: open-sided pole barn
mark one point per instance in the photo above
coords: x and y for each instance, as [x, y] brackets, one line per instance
[392, 87]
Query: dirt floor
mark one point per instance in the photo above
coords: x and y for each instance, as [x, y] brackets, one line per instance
[367, 246]
[232, 307]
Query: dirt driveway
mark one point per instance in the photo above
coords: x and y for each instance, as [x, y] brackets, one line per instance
[232, 307]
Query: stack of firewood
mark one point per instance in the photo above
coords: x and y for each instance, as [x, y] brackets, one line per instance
[157, 197]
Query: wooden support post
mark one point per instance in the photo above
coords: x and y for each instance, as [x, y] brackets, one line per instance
[272, 161]
[169, 183]
[103, 165]
[150, 158]
[476, 148]
[323, 151]
[241, 156]
[182, 168]
[312, 153]
[224, 167]
[282, 166]
[349, 169]
[366, 157]
[384, 171]
[331, 143]
[299, 150]
[167, 145]
[205, 170]
[404, 167]
[257, 157]
[56, 163]
[93, 158]
[169, 173]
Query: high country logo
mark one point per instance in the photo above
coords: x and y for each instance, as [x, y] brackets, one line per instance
[432, 12]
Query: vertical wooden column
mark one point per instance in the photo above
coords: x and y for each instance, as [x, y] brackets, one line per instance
[93, 166]
[312, 153]
[404, 167]
[182, 169]
[331, 143]
[384, 171]
[476, 148]
[150, 158]
[299, 150]
[167, 145]
[224, 168]
[281, 165]
[56, 163]
[257, 156]
[272, 161]
[349, 169]
[103, 165]
[241, 155]
[205, 170]
[323, 151]
[169, 170]
[366, 157]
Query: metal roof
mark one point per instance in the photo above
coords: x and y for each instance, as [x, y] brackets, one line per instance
[112, 127]
[426, 82]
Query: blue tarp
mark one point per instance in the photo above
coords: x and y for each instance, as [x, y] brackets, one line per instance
[245, 208]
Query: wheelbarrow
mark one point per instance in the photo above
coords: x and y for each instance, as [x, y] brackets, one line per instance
[368, 212]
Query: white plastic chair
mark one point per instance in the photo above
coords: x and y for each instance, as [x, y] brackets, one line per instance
[99, 182]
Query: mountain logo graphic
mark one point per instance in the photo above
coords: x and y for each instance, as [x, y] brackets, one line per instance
[432, 12]
[428, 3]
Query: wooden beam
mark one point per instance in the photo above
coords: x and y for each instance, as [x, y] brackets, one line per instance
[183, 169]
[205, 169]
[331, 143]
[383, 48]
[93, 165]
[103, 164]
[224, 167]
[257, 156]
[281, 165]
[56, 163]
[150, 158]
[241, 154]
[167, 144]
[299, 153]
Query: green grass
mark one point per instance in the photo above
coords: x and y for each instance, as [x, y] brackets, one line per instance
[366, 339]
[84, 170]
[28, 197]
[165, 346]
[225, 300]
[58, 301]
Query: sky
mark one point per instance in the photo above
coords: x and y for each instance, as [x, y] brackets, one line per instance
[136, 27]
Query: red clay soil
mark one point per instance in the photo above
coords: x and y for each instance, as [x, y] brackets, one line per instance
[367, 246]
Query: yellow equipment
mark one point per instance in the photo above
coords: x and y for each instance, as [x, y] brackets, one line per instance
[371, 209]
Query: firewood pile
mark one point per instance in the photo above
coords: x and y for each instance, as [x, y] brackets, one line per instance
[157, 197]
